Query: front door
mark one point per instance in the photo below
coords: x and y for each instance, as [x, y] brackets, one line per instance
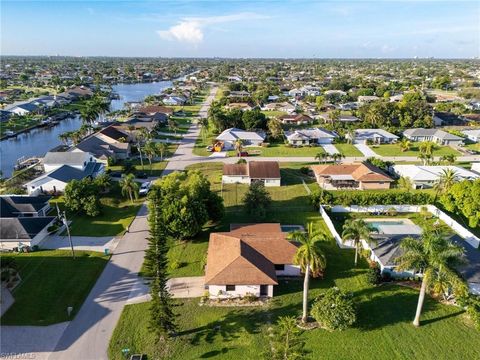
[263, 290]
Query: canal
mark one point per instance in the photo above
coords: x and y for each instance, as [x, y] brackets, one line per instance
[40, 140]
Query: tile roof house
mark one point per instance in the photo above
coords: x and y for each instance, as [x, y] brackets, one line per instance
[377, 136]
[438, 136]
[426, 176]
[354, 176]
[310, 136]
[266, 172]
[248, 260]
[249, 138]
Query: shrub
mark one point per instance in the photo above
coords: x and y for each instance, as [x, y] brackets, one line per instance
[374, 275]
[334, 309]
[473, 311]
[305, 170]
[175, 264]
[249, 297]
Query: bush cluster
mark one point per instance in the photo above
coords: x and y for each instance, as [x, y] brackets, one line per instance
[334, 309]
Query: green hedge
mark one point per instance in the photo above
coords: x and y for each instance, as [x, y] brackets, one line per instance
[365, 198]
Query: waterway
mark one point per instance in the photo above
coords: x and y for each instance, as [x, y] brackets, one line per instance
[40, 140]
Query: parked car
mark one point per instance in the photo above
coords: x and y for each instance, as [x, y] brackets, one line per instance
[145, 188]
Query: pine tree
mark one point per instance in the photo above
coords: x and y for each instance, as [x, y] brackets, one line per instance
[162, 317]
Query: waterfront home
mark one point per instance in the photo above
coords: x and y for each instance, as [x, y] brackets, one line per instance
[111, 142]
[265, 172]
[438, 136]
[376, 136]
[55, 159]
[248, 260]
[310, 136]
[424, 177]
[153, 109]
[24, 108]
[295, 119]
[248, 138]
[174, 100]
[56, 180]
[353, 176]
[473, 135]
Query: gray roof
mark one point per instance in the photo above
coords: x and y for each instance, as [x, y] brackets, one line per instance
[431, 132]
[66, 158]
[471, 270]
[66, 173]
[373, 133]
[23, 228]
[13, 205]
[307, 134]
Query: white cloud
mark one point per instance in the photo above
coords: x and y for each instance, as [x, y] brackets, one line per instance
[190, 29]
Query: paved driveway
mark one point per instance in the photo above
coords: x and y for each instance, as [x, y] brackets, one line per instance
[330, 149]
[80, 243]
[366, 150]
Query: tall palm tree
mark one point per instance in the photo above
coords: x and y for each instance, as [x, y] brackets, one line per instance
[310, 257]
[320, 157]
[427, 147]
[89, 112]
[445, 181]
[64, 138]
[405, 145]
[150, 151]
[141, 135]
[129, 186]
[239, 146]
[173, 126]
[426, 158]
[435, 256]
[357, 230]
[405, 183]
[448, 159]
[162, 149]
[350, 135]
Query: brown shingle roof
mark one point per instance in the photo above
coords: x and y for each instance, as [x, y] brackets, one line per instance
[246, 255]
[152, 109]
[359, 171]
[254, 169]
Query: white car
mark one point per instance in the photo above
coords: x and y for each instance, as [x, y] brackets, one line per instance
[145, 188]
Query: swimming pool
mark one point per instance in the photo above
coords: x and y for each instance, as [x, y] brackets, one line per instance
[376, 224]
[394, 227]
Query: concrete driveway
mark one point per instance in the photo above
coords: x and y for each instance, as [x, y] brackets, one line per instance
[330, 149]
[366, 150]
[80, 243]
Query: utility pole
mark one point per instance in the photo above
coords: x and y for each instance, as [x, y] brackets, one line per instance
[65, 222]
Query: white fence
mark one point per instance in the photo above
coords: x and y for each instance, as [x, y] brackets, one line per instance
[467, 235]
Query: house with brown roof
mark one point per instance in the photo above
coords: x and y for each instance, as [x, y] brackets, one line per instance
[266, 172]
[354, 176]
[295, 119]
[248, 260]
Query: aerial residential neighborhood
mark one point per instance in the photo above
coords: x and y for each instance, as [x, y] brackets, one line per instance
[240, 180]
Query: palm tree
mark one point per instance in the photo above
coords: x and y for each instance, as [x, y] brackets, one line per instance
[310, 258]
[64, 137]
[405, 145]
[320, 157]
[445, 181]
[162, 149]
[173, 126]
[427, 147]
[448, 159]
[140, 136]
[350, 135]
[150, 151]
[239, 146]
[356, 230]
[129, 186]
[426, 158]
[435, 256]
[405, 183]
[89, 112]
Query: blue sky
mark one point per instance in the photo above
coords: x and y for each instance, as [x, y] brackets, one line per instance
[291, 29]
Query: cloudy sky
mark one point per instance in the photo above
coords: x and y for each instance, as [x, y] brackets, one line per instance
[211, 28]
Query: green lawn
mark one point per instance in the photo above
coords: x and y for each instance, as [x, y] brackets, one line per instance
[155, 170]
[473, 146]
[348, 150]
[383, 329]
[19, 124]
[182, 122]
[52, 281]
[394, 150]
[273, 113]
[282, 150]
[117, 214]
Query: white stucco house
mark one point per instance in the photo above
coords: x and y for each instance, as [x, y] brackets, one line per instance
[426, 176]
[249, 138]
[438, 136]
[473, 135]
[310, 136]
[248, 260]
[55, 159]
[377, 136]
[266, 172]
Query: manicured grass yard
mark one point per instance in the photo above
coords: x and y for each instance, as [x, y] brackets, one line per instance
[383, 329]
[348, 150]
[155, 170]
[52, 281]
[473, 146]
[394, 150]
[281, 150]
[182, 122]
[117, 214]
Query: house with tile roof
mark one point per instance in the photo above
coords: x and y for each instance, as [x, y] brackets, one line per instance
[266, 172]
[295, 119]
[248, 260]
[353, 176]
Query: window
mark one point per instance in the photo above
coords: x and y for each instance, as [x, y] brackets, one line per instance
[230, 288]
[279, 267]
